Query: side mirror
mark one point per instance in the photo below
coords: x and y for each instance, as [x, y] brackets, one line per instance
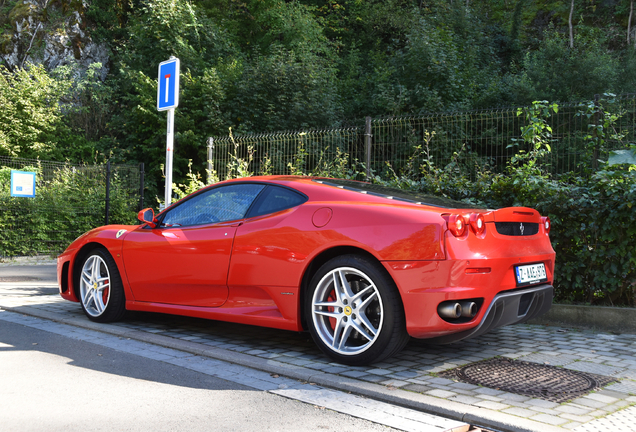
[148, 216]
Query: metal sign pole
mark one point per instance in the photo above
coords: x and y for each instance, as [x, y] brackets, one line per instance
[168, 100]
[169, 153]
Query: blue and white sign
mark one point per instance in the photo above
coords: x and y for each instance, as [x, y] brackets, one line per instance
[168, 89]
[22, 184]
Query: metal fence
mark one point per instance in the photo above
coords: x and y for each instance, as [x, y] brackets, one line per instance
[69, 200]
[475, 140]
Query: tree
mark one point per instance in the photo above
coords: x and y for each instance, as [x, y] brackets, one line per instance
[29, 112]
[570, 24]
[629, 21]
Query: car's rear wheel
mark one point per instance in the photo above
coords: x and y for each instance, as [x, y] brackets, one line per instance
[101, 291]
[354, 311]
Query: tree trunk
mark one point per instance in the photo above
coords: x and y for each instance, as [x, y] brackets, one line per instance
[570, 23]
[629, 21]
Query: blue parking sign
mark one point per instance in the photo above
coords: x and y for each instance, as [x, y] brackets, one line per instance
[22, 184]
[168, 89]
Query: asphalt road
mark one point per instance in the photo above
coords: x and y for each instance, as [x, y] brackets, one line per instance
[55, 383]
[44, 273]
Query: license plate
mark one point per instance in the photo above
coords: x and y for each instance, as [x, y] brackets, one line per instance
[529, 274]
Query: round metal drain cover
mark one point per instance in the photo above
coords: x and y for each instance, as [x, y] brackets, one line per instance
[529, 379]
[18, 279]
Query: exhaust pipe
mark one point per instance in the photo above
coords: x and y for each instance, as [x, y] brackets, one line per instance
[468, 309]
[449, 310]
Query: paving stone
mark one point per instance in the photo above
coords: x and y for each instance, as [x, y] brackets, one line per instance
[463, 386]
[488, 391]
[373, 378]
[577, 418]
[440, 393]
[394, 383]
[627, 387]
[616, 406]
[515, 404]
[549, 359]
[549, 419]
[541, 403]
[575, 410]
[520, 412]
[571, 426]
[442, 381]
[544, 410]
[489, 397]
[417, 388]
[601, 398]
[589, 402]
[508, 397]
[465, 399]
[591, 367]
[491, 405]
[599, 413]
[405, 374]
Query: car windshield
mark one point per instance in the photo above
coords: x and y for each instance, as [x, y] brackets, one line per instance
[397, 194]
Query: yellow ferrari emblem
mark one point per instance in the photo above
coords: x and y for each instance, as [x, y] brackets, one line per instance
[347, 310]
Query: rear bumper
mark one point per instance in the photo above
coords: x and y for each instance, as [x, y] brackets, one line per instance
[511, 307]
[424, 285]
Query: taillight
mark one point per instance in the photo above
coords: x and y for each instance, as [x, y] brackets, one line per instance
[546, 224]
[456, 225]
[477, 223]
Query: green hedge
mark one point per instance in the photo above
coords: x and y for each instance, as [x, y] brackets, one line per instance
[67, 205]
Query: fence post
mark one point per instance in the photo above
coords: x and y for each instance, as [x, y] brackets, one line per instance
[107, 210]
[141, 186]
[210, 159]
[595, 134]
[367, 145]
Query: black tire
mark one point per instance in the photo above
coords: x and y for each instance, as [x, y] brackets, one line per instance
[100, 289]
[363, 324]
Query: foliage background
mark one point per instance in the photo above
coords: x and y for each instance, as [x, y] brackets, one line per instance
[270, 65]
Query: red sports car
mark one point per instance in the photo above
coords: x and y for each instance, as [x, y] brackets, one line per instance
[361, 266]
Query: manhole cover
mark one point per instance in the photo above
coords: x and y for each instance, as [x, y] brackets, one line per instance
[18, 279]
[529, 379]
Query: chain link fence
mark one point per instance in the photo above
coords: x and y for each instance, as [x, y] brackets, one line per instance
[69, 200]
[474, 140]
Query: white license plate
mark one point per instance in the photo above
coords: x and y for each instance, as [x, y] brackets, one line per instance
[529, 274]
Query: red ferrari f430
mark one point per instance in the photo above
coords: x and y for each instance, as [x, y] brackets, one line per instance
[362, 267]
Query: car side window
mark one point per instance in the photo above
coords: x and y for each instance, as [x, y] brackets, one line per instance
[275, 199]
[221, 204]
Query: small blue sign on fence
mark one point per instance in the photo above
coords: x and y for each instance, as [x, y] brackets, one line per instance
[22, 184]
[168, 89]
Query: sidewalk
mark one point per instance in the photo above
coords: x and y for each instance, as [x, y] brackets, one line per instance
[411, 378]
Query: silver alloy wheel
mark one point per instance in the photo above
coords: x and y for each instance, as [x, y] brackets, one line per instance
[347, 311]
[95, 285]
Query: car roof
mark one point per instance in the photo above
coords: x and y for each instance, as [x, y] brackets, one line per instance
[327, 189]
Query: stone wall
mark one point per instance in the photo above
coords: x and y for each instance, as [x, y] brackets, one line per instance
[48, 33]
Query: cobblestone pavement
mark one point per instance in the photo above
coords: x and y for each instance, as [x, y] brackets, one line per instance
[412, 374]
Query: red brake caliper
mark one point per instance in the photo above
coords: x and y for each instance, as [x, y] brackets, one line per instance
[332, 298]
[105, 292]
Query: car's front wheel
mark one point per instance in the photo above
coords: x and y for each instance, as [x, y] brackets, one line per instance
[101, 291]
[354, 311]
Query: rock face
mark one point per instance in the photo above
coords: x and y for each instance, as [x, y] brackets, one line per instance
[49, 33]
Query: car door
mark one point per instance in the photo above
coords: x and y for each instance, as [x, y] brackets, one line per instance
[185, 259]
[266, 247]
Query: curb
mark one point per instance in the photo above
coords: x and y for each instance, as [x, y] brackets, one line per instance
[429, 404]
[599, 318]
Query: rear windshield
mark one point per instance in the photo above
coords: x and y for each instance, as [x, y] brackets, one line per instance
[396, 194]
